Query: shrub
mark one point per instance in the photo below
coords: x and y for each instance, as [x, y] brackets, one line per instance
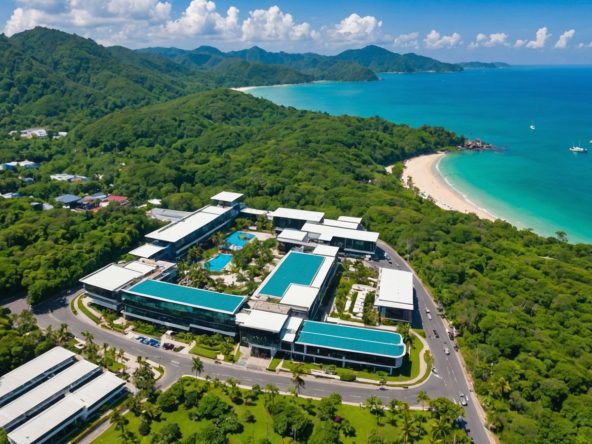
[347, 376]
[144, 428]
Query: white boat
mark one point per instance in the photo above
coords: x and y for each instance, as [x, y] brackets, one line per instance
[532, 127]
[578, 149]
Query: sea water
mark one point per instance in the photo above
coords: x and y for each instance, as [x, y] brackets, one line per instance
[532, 180]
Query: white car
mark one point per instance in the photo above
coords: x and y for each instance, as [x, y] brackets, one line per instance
[427, 310]
[463, 399]
[446, 350]
[429, 316]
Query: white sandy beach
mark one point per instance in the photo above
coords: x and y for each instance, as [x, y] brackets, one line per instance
[424, 175]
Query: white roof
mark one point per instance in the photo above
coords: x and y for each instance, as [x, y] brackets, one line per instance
[261, 320]
[49, 389]
[227, 196]
[112, 277]
[291, 213]
[322, 272]
[43, 423]
[301, 296]
[292, 235]
[292, 328]
[326, 250]
[254, 211]
[341, 224]
[147, 250]
[395, 289]
[357, 220]
[18, 377]
[327, 233]
[140, 267]
[177, 230]
[99, 387]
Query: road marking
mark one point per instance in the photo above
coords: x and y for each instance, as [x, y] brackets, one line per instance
[175, 363]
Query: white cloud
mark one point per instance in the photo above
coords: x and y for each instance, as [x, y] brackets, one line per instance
[436, 41]
[274, 24]
[564, 39]
[410, 40]
[542, 35]
[585, 45]
[519, 43]
[201, 18]
[490, 40]
[357, 28]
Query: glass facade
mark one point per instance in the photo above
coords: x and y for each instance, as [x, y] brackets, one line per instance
[254, 337]
[179, 314]
[351, 359]
[354, 245]
[283, 222]
[183, 244]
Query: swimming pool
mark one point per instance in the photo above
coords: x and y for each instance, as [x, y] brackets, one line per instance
[238, 240]
[218, 262]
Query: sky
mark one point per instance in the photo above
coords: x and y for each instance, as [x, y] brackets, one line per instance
[518, 32]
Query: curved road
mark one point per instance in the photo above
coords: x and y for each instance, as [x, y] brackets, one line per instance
[448, 382]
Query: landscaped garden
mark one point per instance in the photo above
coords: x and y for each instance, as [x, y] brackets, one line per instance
[211, 412]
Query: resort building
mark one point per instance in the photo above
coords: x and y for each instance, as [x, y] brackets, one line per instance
[349, 240]
[294, 219]
[394, 296]
[104, 286]
[34, 372]
[56, 391]
[262, 331]
[177, 237]
[299, 282]
[30, 403]
[344, 345]
[183, 308]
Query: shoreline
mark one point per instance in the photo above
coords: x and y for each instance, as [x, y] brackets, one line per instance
[426, 176]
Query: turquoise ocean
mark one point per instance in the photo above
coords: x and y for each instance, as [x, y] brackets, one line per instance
[533, 180]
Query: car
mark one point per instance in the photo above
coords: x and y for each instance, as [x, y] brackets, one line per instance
[436, 334]
[427, 310]
[168, 346]
[153, 343]
[446, 350]
[140, 338]
[463, 399]
[455, 347]
[435, 370]
[429, 316]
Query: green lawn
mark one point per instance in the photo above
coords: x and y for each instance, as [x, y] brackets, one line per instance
[360, 418]
[205, 352]
[86, 311]
[409, 370]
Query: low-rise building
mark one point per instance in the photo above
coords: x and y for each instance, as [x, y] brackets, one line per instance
[395, 295]
[104, 286]
[69, 200]
[294, 219]
[346, 346]
[181, 307]
[64, 177]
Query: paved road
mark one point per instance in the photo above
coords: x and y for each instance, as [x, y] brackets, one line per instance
[448, 367]
[448, 382]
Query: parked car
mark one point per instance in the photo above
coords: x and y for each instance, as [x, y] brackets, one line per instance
[168, 346]
[153, 343]
[436, 334]
[463, 399]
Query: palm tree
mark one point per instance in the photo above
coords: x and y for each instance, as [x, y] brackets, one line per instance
[394, 406]
[119, 421]
[218, 238]
[297, 372]
[502, 387]
[63, 334]
[88, 338]
[121, 355]
[272, 391]
[441, 428]
[406, 335]
[409, 426]
[423, 398]
[374, 404]
[197, 366]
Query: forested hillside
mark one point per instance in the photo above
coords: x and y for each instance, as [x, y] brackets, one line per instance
[522, 303]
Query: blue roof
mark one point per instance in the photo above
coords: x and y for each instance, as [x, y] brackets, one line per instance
[354, 339]
[67, 198]
[296, 268]
[195, 297]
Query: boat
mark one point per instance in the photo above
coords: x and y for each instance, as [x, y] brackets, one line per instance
[578, 149]
[532, 127]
